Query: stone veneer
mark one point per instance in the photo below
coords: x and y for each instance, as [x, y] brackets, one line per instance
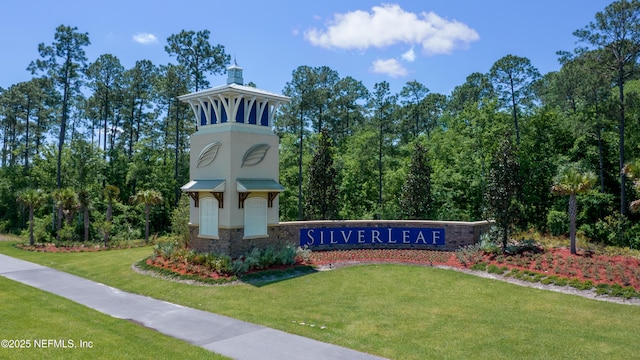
[232, 241]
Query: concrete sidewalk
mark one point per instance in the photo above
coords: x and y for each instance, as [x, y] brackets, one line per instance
[220, 334]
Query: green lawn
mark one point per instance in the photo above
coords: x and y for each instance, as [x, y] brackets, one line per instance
[34, 317]
[395, 311]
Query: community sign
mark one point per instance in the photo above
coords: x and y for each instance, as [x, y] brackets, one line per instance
[371, 236]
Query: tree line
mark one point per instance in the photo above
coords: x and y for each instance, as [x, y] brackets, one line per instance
[493, 148]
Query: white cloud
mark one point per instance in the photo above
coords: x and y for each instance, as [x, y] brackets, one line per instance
[391, 67]
[145, 38]
[388, 25]
[409, 56]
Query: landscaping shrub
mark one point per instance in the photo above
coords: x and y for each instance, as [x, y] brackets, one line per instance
[42, 230]
[494, 269]
[558, 222]
[180, 221]
[523, 246]
[479, 266]
[489, 245]
[206, 263]
[469, 255]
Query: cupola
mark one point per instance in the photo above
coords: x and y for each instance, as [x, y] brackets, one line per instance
[234, 74]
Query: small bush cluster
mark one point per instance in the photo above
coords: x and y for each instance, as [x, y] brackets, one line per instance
[172, 255]
[523, 247]
[264, 258]
[469, 255]
[617, 290]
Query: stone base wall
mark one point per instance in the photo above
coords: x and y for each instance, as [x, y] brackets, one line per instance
[233, 243]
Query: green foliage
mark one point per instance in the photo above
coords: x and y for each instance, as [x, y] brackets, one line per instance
[479, 266]
[503, 184]
[538, 156]
[489, 242]
[180, 222]
[469, 255]
[581, 285]
[322, 183]
[415, 200]
[572, 115]
[194, 51]
[522, 247]
[614, 230]
[557, 222]
[494, 269]
[43, 231]
[255, 259]
[391, 297]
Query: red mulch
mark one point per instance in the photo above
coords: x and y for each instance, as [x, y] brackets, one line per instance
[600, 269]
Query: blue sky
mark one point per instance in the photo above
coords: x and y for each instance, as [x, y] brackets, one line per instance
[438, 43]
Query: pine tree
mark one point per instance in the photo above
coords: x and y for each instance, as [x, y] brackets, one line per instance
[415, 202]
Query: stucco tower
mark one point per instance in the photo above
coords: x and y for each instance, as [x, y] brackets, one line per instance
[233, 165]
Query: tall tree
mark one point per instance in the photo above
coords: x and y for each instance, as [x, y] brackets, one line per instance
[416, 201]
[382, 106]
[411, 97]
[513, 78]
[105, 80]
[434, 105]
[582, 89]
[64, 62]
[10, 101]
[26, 106]
[322, 95]
[322, 190]
[475, 91]
[173, 82]
[571, 180]
[502, 187]
[138, 101]
[194, 51]
[297, 116]
[347, 108]
[617, 30]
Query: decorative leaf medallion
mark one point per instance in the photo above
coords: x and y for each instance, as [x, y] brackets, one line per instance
[208, 154]
[255, 155]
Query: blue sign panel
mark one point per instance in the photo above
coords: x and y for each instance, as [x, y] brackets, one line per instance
[371, 236]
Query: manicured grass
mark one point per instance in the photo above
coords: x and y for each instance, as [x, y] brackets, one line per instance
[33, 317]
[395, 311]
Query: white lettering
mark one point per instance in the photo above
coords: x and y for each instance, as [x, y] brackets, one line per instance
[310, 236]
[371, 235]
[391, 241]
[405, 237]
[331, 241]
[375, 236]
